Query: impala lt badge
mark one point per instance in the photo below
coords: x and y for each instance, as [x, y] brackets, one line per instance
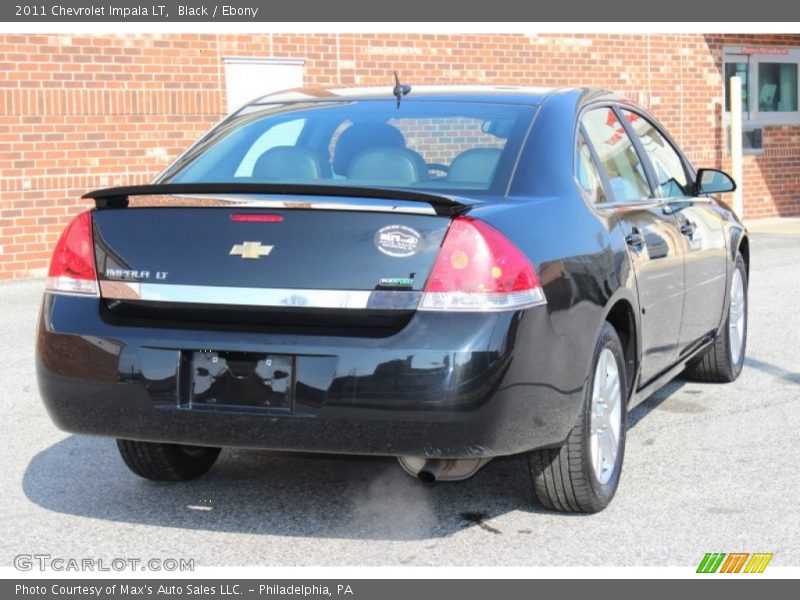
[251, 250]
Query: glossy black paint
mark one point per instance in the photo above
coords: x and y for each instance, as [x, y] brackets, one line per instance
[318, 249]
[429, 384]
[119, 197]
[446, 385]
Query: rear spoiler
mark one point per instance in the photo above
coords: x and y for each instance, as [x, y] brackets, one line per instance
[117, 197]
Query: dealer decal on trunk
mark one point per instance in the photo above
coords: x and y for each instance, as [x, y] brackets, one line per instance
[398, 241]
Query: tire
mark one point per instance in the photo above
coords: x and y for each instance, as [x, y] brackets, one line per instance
[167, 462]
[566, 478]
[721, 363]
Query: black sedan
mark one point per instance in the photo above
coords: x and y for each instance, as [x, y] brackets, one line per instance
[444, 276]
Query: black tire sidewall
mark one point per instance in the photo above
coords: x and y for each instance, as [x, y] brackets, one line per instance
[166, 462]
[191, 464]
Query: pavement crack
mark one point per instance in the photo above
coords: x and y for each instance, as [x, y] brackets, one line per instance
[478, 519]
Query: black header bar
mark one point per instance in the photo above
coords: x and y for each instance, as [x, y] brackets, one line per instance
[451, 11]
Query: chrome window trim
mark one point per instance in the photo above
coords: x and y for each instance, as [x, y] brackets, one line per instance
[643, 203]
[653, 203]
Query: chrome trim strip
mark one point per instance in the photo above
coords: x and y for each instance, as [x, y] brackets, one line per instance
[244, 202]
[642, 203]
[238, 296]
[301, 298]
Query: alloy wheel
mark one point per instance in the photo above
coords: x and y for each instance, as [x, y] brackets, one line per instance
[736, 317]
[606, 416]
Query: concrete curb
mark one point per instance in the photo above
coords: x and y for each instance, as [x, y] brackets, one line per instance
[775, 226]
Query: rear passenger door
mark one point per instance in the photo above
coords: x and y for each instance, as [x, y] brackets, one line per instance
[702, 237]
[651, 233]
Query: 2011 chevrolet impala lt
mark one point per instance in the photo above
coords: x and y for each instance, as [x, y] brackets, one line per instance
[443, 276]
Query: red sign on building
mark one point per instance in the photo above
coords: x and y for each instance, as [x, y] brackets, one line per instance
[764, 50]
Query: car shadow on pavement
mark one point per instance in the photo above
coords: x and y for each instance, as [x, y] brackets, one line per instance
[641, 411]
[773, 370]
[273, 493]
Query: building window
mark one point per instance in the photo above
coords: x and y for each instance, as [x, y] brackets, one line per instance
[777, 87]
[769, 84]
[736, 69]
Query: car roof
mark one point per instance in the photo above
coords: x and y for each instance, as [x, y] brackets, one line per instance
[451, 93]
[507, 94]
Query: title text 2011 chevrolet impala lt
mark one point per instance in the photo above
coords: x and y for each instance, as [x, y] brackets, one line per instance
[446, 276]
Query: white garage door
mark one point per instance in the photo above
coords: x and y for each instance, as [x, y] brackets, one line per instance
[249, 78]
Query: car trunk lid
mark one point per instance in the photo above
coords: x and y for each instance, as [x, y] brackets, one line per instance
[221, 258]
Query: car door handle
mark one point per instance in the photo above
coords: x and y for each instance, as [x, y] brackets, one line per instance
[688, 228]
[634, 238]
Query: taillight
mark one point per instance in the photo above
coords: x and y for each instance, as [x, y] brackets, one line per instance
[479, 269]
[72, 269]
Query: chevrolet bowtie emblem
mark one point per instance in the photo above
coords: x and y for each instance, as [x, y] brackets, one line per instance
[251, 250]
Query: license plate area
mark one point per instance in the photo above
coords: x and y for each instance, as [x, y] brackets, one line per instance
[240, 379]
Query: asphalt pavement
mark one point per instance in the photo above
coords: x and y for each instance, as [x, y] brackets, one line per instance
[707, 468]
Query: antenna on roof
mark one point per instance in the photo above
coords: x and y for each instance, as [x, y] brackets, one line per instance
[400, 89]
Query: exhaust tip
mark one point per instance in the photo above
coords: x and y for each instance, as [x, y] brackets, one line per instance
[430, 471]
[426, 476]
[433, 470]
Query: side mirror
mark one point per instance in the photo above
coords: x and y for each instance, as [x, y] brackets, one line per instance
[713, 181]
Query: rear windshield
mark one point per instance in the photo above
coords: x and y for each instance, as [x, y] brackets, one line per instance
[458, 147]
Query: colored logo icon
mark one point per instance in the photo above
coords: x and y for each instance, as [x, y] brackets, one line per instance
[735, 562]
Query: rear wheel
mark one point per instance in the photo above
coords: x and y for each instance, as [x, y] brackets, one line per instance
[723, 362]
[583, 474]
[167, 462]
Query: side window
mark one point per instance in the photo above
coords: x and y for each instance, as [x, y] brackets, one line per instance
[282, 134]
[587, 173]
[666, 161]
[617, 155]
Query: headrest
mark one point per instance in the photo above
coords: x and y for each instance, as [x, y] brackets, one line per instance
[288, 162]
[362, 136]
[393, 165]
[476, 165]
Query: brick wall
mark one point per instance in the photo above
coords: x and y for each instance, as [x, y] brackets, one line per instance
[80, 111]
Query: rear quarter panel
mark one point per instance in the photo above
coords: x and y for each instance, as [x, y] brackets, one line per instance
[578, 251]
[582, 263]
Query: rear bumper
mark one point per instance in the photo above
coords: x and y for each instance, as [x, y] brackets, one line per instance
[447, 385]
